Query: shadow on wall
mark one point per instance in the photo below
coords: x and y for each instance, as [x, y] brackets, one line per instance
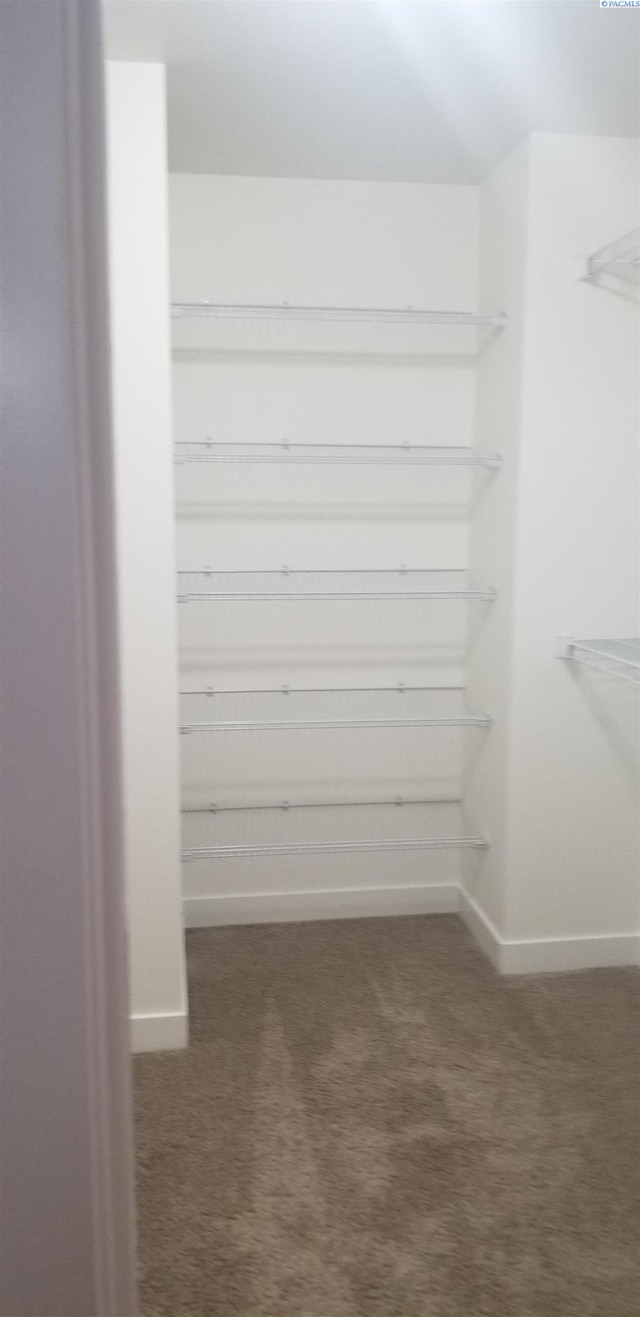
[616, 707]
[621, 285]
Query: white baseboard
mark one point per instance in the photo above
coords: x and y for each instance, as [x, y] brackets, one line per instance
[350, 903]
[159, 1033]
[548, 955]
[480, 927]
[169, 1031]
[570, 953]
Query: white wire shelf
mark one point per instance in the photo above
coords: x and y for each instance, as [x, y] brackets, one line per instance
[405, 454]
[220, 833]
[337, 708]
[618, 658]
[283, 311]
[213, 327]
[620, 258]
[400, 583]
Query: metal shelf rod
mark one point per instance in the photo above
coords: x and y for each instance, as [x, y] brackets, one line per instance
[285, 805]
[339, 314]
[321, 571]
[311, 724]
[446, 591]
[399, 689]
[334, 847]
[210, 451]
[257, 596]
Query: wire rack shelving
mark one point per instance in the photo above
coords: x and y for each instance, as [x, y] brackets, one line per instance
[317, 708]
[620, 258]
[402, 583]
[285, 453]
[216, 327]
[284, 311]
[617, 657]
[220, 833]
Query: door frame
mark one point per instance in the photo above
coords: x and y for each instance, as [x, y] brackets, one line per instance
[65, 1133]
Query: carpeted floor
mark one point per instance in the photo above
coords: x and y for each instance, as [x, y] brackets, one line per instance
[370, 1123]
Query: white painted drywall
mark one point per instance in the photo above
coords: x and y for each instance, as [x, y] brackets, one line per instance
[144, 494]
[502, 274]
[558, 787]
[312, 242]
[573, 855]
[427, 93]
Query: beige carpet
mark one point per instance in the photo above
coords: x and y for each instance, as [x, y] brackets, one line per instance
[370, 1123]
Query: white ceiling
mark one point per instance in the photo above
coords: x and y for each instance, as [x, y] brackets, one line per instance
[434, 91]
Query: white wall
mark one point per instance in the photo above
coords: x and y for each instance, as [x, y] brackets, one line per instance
[573, 849]
[553, 785]
[306, 242]
[502, 276]
[145, 518]
[557, 788]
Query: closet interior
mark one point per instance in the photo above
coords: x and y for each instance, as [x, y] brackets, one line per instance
[376, 445]
[328, 463]
[374, 290]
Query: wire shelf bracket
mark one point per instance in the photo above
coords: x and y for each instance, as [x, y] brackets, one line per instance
[619, 658]
[620, 258]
